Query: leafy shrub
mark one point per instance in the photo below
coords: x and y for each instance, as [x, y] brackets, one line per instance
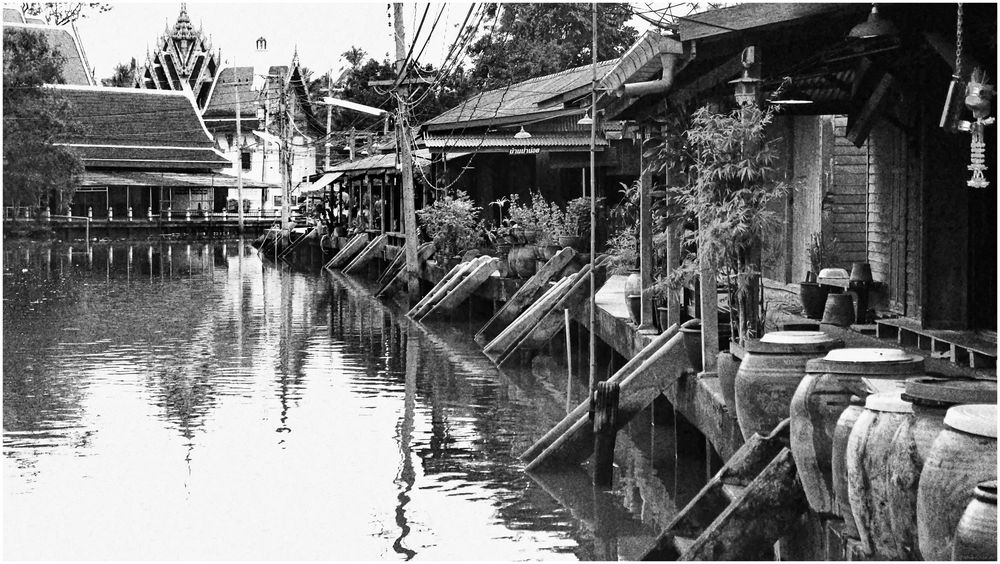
[453, 223]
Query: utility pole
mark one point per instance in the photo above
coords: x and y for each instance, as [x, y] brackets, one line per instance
[592, 321]
[284, 160]
[329, 119]
[403, 147]
[350, 144]
[239, 157]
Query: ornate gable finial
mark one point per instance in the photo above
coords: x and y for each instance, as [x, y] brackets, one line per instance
[295, 56]
[183, 28]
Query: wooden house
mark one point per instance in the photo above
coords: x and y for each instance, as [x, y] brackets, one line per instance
[869, 162]
[526, 137]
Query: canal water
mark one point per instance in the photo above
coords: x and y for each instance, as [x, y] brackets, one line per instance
[193, 401]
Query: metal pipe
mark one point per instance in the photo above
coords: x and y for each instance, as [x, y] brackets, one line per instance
[669, 62]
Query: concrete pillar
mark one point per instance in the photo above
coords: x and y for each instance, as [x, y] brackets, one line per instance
[646, 324]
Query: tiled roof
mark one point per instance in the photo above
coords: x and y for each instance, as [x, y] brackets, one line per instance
[533, 96]
[230, 82]
[138, 128]
[62, 40]
[12, 15]
[143, 178]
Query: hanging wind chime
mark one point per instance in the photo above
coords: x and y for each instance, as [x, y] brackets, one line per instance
[978, 98]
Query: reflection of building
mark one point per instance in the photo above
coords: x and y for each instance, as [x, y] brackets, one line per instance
[184, 61]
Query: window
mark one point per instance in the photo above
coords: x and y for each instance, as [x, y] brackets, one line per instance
[245, 160]
[277, 201]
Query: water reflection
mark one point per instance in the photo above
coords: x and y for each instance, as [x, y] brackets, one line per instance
[189, 401]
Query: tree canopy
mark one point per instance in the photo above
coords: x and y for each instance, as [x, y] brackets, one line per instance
[123, 76]
[35, 171]
[60, 13]
[537, 39]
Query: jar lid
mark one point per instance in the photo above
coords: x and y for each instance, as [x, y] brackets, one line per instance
[951, 390]
[975, 419]
[794, 342]
[867, 362]
[867, 355]
[890, 402]
[833, 273]
[986, 492]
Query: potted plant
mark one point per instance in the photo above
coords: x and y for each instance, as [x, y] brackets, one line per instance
[812, 295]
[577, 224]
[724, 160]
[453, 223]
[659, 292]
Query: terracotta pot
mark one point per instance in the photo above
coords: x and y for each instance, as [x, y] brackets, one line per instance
[522, 261]
[963, 454]
[813, 299]
[634, 308]
[728, 365]
[662, 318]
[930, 398]
[870, 486]
[692, 340]
[839, 310]
[769, 374]
[572, 241]
[633, 284]
[822, 396]
[976, 535]
[840, 437]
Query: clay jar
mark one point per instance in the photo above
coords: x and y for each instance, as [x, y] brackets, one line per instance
[839, 455]
[826, 390]
[769, 374]
[870, 486]
[522, 261]
[976, 535]
[962, 455]
[633, 284]
[930, 397]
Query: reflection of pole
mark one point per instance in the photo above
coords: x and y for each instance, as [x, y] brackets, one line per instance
[406, 474]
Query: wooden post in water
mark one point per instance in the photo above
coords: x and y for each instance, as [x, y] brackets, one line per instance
[569, 364]
[605, 429]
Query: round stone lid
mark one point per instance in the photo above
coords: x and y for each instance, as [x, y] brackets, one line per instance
[890, 402]
[975, 419]
[833, 273]
[867, 362]
[951, 390]
[867, 355]
[794, 342]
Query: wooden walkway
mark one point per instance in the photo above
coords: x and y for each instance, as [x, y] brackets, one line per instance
[960, 347]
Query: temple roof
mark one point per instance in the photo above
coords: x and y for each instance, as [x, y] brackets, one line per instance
[233, 82]
[140, 129]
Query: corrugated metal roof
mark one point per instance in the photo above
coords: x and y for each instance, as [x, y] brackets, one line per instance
[521, 99]
[421, 158]
[509, 142]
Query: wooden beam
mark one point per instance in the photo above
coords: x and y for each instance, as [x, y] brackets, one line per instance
[723, 72]
[858, 128]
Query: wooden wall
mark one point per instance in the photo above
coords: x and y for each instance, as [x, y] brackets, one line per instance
[846, 199]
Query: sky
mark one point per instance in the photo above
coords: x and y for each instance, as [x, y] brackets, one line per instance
[320, 30]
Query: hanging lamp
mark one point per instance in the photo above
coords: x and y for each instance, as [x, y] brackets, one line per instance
[522, 134]
[586, 119]
[874, 26]
[789, 95]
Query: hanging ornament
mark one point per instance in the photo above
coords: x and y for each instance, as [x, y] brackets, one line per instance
[978, 98]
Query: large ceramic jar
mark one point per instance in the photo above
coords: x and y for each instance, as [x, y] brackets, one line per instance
[521, 260]
[963, 454]
[870, 486]
[633, 284]
[930, 398]
[839, 465]
[829, 386]
[976, 535]
[769, 374]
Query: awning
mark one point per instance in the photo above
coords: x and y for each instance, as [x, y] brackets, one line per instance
[144, 178]
[322, 183]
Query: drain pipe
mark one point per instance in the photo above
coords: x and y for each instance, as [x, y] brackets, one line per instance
[670, 53]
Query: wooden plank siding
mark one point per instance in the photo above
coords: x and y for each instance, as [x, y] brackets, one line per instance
[847, 196]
